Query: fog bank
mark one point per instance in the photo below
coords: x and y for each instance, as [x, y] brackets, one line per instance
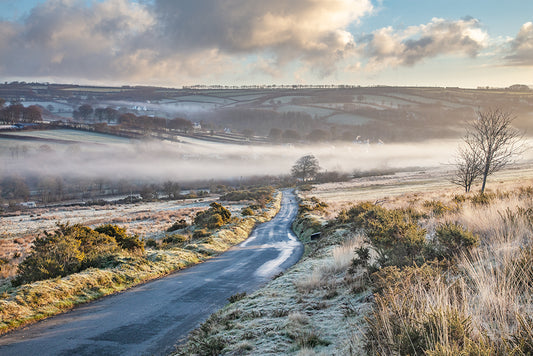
[194, 159]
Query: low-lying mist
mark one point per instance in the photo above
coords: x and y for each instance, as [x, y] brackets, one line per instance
[198, 160]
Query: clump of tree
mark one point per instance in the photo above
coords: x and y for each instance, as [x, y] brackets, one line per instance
[83, 112]
[490, 144]
[16, 112]
[155, 123]
[305, 168]
[73, 248]
[212, 218]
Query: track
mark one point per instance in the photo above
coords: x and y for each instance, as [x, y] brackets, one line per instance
[152, 318]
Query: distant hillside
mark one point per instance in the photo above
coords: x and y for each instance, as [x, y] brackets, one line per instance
[288, 114]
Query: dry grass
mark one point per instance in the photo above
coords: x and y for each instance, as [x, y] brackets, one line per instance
[339, 259]
[483, 295]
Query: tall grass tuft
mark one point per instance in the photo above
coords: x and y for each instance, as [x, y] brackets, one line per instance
[481, 303]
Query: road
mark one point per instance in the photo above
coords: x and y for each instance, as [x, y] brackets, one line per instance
[150, 319]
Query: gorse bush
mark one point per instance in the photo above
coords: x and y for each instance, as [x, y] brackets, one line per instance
[247, 211]
[198, 234]
[454, 239]
[483, 198]
[212, 218]
[178, 225]
[125, 241]
[394, 234]
[436, 207]
[72, 248]
[175, 239]
[68, 250]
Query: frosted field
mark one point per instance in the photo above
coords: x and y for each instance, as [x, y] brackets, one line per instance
[313, 111]
[383, 100]
[205, 99]
[71, 135]
[341, 195]
[424, 100]
[348, 119]
[148, 220]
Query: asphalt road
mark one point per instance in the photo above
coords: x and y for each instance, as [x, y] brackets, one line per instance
[150, 319]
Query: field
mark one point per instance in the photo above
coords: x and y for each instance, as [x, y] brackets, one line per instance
[72, 136]
[329, 305]
[371, 111]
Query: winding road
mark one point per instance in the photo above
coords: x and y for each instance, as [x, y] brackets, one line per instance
[152, 318]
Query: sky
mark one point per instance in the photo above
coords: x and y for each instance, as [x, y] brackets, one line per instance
[465, 43]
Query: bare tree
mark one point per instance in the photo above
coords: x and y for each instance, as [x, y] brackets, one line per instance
[468, 164]
[491, 144]
[306, 167]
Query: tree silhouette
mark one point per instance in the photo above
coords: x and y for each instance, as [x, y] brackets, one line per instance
[305, 168]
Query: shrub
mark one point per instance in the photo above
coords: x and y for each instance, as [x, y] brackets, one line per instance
[236, 297]
[198, 234]
[247, 211]
[482, 198]
[125, 241]
[394, 234]
[305, 187]
[454, 239]
[362, 259]
[175, 239]
[150, 243]
[178, 225]
[68, 250]
[215, 221]
[214, 217]
[436, 207]
[51, 256]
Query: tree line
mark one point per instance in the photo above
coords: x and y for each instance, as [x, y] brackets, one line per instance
[16, 112]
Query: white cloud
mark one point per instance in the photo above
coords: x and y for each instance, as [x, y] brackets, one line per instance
[388, 47]
[521, 47]
[125, 40]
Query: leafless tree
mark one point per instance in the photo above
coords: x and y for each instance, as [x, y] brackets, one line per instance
[491, 143]
[468, 164]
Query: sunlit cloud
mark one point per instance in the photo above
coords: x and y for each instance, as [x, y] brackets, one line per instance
[521, 47]
[124, 40]
[390, 47]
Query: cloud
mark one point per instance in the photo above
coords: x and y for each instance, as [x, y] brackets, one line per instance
[66, 38]
[521, 47]
[388, 47]
[125, 40]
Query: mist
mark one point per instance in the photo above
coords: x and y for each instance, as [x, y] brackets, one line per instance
[197, 160]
